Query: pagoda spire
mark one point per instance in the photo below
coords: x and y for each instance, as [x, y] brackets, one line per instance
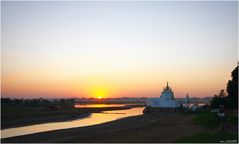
[167, 87]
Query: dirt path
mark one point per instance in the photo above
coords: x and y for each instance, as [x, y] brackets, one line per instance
[147, 128]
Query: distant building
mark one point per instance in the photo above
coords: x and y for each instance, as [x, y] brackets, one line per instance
[166, 102]
[186, 101]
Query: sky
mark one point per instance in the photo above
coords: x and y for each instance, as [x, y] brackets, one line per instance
[117, 49]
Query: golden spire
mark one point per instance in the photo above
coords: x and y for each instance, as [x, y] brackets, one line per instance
[167, 87]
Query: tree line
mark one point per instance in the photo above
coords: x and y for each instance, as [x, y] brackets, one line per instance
[229, 99]
[39, 102]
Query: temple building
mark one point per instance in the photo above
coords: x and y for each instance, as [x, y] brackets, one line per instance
[166, 102]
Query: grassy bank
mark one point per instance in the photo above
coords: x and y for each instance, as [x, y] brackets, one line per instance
[210, 120]
[214, 130]
[206, 119]
[210, 138]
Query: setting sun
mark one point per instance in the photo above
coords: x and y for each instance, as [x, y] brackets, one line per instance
[99, 92]
[99, 97]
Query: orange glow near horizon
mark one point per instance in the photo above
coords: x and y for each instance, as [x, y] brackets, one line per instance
[98, 105]
[130, 84]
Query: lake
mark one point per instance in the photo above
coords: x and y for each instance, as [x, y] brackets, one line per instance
[93, 119]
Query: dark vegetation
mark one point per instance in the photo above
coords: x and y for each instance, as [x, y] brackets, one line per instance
[221, 137]
[40, 102]
[215, 130]
[216, 127]
[206, 119]
[211, 120]
[229, 100]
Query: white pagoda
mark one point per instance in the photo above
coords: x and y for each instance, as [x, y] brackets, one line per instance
[166, 100]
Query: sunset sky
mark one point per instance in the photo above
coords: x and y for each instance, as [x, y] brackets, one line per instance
[117, 49]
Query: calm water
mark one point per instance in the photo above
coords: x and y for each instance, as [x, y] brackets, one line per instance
[94, 118]
[97, 105]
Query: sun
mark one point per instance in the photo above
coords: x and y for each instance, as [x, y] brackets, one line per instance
[99, 92]
[99, 97]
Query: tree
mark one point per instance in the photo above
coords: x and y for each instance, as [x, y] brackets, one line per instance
[232, 90]
[219, 99]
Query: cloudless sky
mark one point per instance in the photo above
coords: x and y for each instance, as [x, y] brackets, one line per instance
[116, 49]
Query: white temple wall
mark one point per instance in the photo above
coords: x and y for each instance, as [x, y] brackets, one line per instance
[157, 102]
[167, 95]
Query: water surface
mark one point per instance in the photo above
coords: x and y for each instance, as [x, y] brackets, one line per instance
[98, 105]
[93, 119]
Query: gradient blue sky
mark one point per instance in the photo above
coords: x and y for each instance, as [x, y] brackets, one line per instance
[115, 49]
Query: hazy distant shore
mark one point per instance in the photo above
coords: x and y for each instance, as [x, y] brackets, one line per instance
[143, 128]
[42, 116]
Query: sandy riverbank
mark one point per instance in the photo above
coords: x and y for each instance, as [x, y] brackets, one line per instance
[24, 116]
[162, 127]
